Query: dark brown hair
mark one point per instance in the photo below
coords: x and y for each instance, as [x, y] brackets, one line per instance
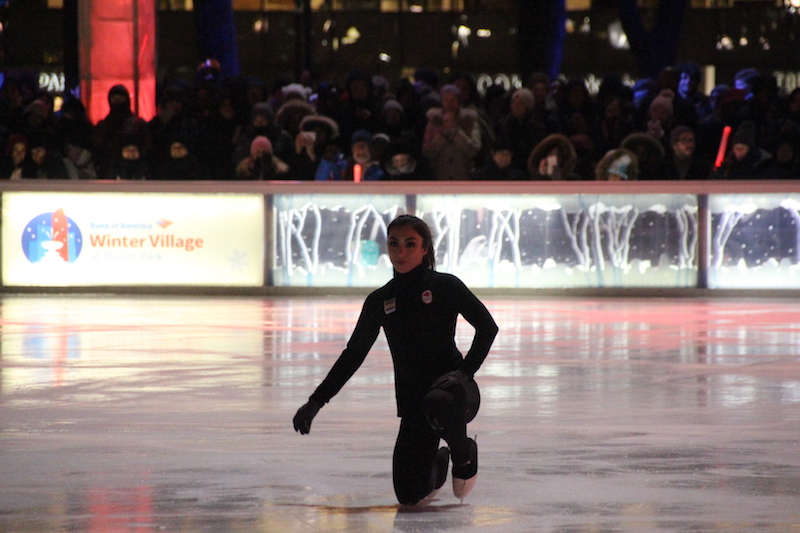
[418, 225]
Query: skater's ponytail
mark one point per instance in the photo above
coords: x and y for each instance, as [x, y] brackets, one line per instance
[418, 225]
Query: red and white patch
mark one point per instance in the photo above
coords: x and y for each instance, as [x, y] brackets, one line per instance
[427, 297]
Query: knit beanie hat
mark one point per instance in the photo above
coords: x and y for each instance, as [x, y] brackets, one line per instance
[745, 134]
[526, 95]
[393, 104]
[265, 110]
[260, 145]
[450, 89]
[362, 136]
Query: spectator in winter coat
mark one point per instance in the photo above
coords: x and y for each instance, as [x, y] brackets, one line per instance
[361, 160]
[172, 120]
[786, 153]
[263, 123]
[452, 137]
[315, 154]
[16, 152]
[129, 165]
[400, 163]
[553, 159]
[121, 123]
[79, 162]
[221, 129]
[44, 161]
[649, 155]
[689, 93]
[359, 109]
[745, 160]
[182, 165]
[499, 167]
[660, 117]
[618, 165]
[262, 163]
[681, 162]
[521, 127]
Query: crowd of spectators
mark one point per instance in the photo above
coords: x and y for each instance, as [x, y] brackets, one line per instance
[431, 127]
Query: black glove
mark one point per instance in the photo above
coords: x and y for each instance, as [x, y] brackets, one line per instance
[302, 420]
[445, 381]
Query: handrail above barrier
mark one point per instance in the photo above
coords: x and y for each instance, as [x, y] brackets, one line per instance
[412, 187]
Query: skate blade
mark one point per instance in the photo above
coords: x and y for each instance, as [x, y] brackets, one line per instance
[462, 487]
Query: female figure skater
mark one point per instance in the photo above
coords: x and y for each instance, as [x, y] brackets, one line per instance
[436, 395]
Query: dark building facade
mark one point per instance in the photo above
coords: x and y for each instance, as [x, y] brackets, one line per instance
[394, 44]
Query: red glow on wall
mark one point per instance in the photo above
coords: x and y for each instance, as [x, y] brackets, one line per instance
[118, 47]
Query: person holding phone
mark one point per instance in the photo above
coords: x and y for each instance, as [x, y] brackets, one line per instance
[434, 386]
[553, 159]
[452, 138]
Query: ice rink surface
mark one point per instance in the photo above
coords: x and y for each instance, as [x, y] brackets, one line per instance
[147, 414]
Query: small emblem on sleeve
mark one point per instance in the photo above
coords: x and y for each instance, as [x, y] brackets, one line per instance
[390, 306]
[427, 297]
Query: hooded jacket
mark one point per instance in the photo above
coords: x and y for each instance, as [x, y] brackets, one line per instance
[567, 158]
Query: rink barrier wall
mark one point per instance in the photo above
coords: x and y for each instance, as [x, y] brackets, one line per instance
[649, 238]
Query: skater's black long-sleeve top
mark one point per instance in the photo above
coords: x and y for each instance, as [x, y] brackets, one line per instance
[418, 312]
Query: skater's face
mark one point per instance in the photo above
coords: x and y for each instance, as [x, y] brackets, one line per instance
[406, 250]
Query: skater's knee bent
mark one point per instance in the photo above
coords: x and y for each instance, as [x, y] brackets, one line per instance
[410, 497]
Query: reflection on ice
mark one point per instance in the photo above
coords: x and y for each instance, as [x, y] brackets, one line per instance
[160, 414]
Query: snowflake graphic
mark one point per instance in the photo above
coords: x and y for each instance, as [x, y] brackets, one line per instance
[238, 261]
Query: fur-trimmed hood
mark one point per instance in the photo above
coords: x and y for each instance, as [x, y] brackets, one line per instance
[435, 113]
[621, 161]
[320, 121]
[567, 157]
[644, 144]
[289, 112]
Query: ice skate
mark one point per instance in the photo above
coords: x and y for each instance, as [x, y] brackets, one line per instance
[438, 473]
[465, 475]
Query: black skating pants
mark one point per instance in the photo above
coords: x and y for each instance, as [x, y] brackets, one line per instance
[418, 442]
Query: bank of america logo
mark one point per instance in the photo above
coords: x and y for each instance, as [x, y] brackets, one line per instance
[52, 237]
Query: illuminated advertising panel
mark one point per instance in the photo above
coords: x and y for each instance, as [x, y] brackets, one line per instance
[494, 241]
[333, 240]
[75, 239]
[565, 240]
[755, 241]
